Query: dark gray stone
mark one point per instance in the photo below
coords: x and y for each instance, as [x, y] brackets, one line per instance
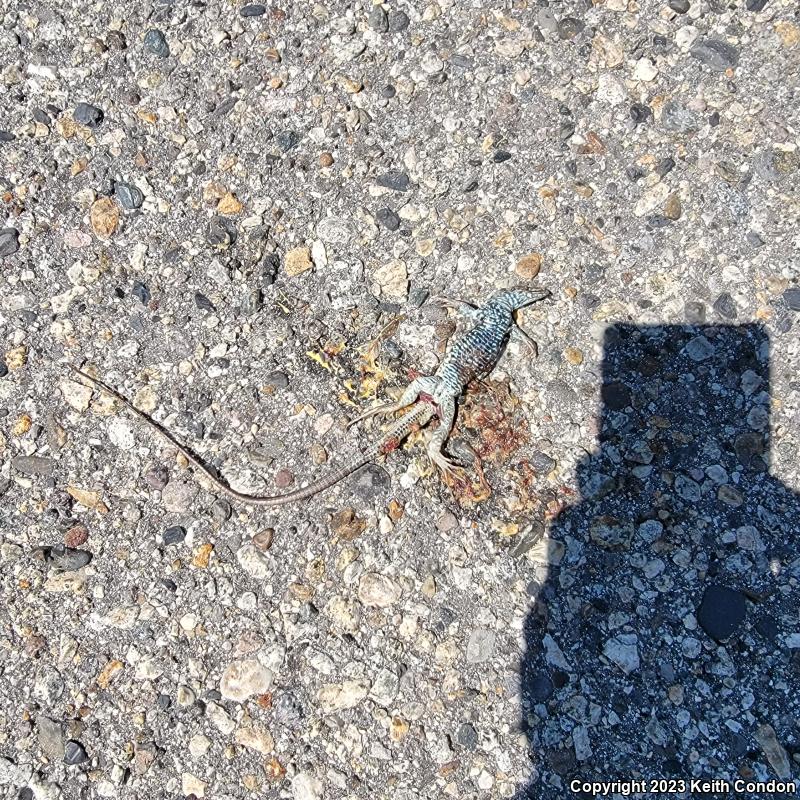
[129, 196]
[203, 303]
[67, 559]
[33, 465]
[398, 21]
[88, 115]
[791, 298]
[542, 463]
[721, 612]
[174, 535]
[379, 19]
[395, 180]
[9, 241]
[287, 140]
[74, 753]
[141, 292]
[467, 736]
[716, 54]
[570, 27]
[371, 482]
[252, 10]
[156, 43]
[387, 218]
[725, 306]
[679, 6]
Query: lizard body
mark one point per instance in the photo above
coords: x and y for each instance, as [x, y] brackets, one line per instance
[473, 356]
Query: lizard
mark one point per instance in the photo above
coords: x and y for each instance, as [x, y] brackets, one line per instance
[472, 357]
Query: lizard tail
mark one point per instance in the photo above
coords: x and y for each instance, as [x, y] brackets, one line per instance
[419, 414]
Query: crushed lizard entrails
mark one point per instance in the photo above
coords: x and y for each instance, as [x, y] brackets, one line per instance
[473, 356]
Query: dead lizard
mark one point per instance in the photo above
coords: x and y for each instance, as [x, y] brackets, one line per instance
[472, 356]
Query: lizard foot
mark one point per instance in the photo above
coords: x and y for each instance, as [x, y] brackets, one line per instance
[447, 465]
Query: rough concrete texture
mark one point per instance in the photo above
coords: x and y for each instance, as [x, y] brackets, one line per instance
[236, 215]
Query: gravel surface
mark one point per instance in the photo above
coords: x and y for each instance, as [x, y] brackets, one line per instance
[236, 214]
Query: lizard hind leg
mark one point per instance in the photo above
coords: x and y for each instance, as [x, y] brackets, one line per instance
[410, 395]
[447, 414]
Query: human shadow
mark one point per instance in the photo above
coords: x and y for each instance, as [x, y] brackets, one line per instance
[664, 643]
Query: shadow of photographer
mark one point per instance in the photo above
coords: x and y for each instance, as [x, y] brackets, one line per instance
[665, 644]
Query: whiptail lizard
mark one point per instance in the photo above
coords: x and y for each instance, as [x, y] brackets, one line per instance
[473, 356]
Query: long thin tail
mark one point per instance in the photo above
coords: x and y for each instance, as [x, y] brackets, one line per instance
[419, 414]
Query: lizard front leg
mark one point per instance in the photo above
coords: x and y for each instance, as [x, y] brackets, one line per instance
[461, 307]
[447, 415]
[410, 395]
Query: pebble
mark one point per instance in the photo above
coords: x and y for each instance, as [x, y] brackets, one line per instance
[776, 754]
[51, 738]
[725, 306]
[179, 496]
[379, 19]
[676, 117]
[252, 10]
[129, 196]
[679, 6]
[9, 241]
[243, 679]
[791, 298]
[219, 718]
[398, 21]
[570, 27]
[546, 20]
[645, 70]
[156, 43]
[67, 559]
[174, 535]
[699, 349]
[467, 736]
[672, 207]
[480, 645]
[76, 536]
[74, 753]
[287, 140]
[306, 786]
[623, 650]
[156, 476]
[721, 612]
[255, 738]
[716, 54]
[378, 590]
[335, 697]
[255, 562]
[610, 532]
[297, 261]
[388, 218]
[33, 465]
[88, 115]
[395, 180]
